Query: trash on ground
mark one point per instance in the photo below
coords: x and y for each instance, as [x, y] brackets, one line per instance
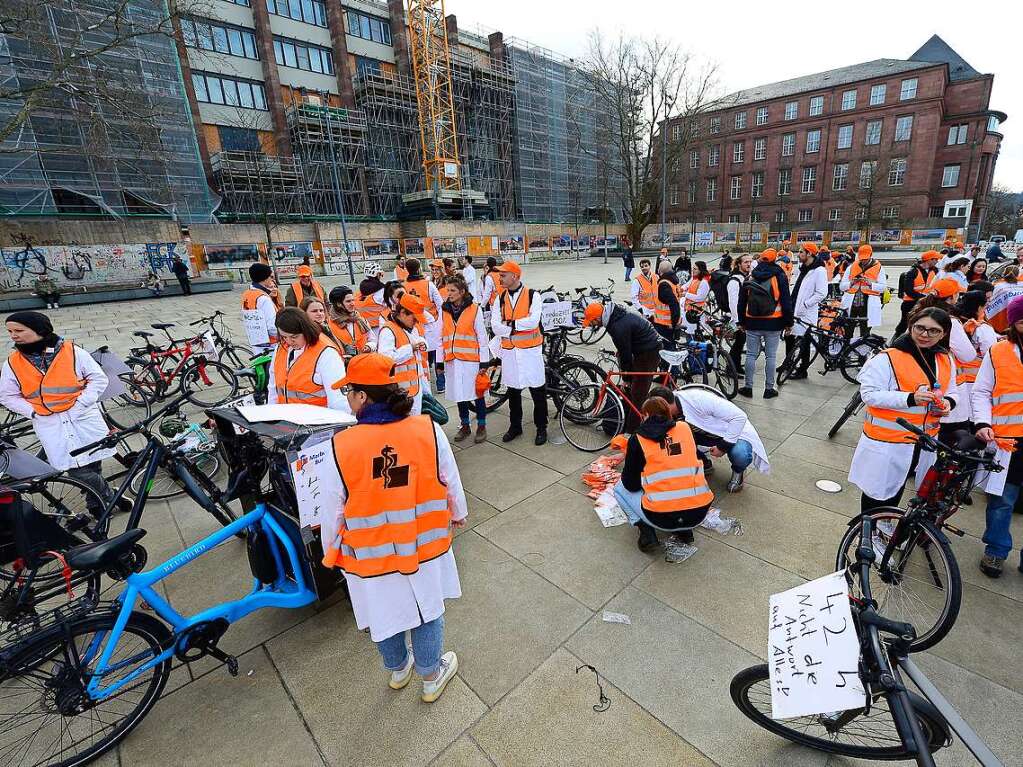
[723, 525]
[610, 617]
[601, 477]
[675, 551]
[608, 510]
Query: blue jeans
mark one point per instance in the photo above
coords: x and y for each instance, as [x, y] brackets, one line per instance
[631, 502]
[741, 456]
[628, 273]
[480, 406]
[999, 516]
[768, 339]
[427, 646]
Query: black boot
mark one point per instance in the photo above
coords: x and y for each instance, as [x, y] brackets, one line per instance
[647, 537]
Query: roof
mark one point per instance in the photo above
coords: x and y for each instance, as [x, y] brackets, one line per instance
[937, 51]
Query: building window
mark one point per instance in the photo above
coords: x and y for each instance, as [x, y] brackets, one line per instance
[792, 110]
[365, 67]
[740, 120]
[234, 139]
[691, 193]
[674, 196]
[877, 93]
[788, 144]
[735, 189]
[845, 136]
[715, 125]
[816, 106]
[712, 189]
[309, 11]
[950, 176]
[805, 215]
[908, 90]
[890, 211]
[904, 128]
[714, 156]
[674, 166]
[676, 132]
[841, 178]
[861, 214]
[813, 141]
[992, 124]
[759, 148]
[785, 181]
[897, 172]
[873, 135]
[761, 115]
[755, 217]
[738, 151]
[936, 211]
[835, 214]
[311, 58]
[848, 100]
[956, 211]
[709, 219]
[757, 187]
[957, 134]
[207, 36]
[780, 217]
[733, 218]
[368, 27]
[694, 159]
[217, 89]
[809, 180]
[867, 171]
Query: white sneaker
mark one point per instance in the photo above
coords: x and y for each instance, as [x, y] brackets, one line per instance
[400, 677]
[448, 668]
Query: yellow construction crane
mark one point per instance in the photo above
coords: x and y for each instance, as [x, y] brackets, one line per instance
[431, 71]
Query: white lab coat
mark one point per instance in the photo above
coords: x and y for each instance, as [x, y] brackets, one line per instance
[980, 402]
[386, 345]
[433, 329]
[330, 369]
[878, 468]
[806, 304]
[964, 351]
[461, 375]
[716, 415]
[472, 280]
[520, 368]
[873, 302]
[392, 603]
[489, 287]
[268, 312]
[734, 284]
[956, 275]
[61, 433]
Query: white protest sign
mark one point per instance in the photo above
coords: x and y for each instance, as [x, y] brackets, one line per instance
[813, 650]
[317, 482]
[255, 327]
[114, 368]
[247, 400]
[209, 344]
[556, 314]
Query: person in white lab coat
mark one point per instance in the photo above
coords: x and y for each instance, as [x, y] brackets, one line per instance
[57, 384]
[516, 322]
[643, 289]
[914, 379]
[402, 472]
[261, 297]
[720, 429]
[741, 268]
[471, 278]
[429, 293]
[491, 289]
[862, 285]
[695, 293]
[810, 289]
[969, 341]
[466, 351]
[400, 340]
[306, 364]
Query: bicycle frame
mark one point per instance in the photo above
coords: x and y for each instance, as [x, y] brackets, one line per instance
[158, 359]
[664, 377]
[284, 593]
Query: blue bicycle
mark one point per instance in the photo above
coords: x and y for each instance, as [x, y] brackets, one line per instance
[76, 681]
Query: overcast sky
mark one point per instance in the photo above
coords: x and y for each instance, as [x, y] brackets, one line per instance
[755, 43]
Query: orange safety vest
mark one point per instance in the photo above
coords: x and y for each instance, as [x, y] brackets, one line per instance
[829, 268]
[401, 273]
[647, 291]
[498, 290]
[54, 391]
[349, 334]
[880, 422]
[420, 288]
[520, 339]
[296, 286]
[662, 312]
[673, 477]
[691, 288]
[1007, 395]
[369, 309]
[406, 373]
[295, 385]
[786, 266]
[251, 296]
[871, 275]
[460, 342]
[396, 516]
[921, 283]
[966, 372]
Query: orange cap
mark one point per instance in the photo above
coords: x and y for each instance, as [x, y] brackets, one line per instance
[414, 305]
[809, 247]
[948, 243]
[304, 271]
[865, 251]
[593, 313]
[786, 243]
[438, 263]
[946, 287]
[510, 267]
[959, 243]
[769, 255]
[369, 370]
[930, 255]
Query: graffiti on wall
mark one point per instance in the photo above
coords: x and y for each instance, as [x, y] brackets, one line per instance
[73, 265]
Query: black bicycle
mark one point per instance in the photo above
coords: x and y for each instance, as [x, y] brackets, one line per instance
[854, 406]
[230, 353]
[836, 347]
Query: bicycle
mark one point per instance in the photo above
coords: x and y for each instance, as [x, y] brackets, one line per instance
[198, 376]
[854, 406]
[916, 572]
[228, 352]
[893, 722]
[580, 332]
[835, 347]
[257, 375]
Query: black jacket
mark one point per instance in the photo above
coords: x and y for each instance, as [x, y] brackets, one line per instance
[631, 334]
[628, 259]
[666, 295]
[762, 272]
[179, 268]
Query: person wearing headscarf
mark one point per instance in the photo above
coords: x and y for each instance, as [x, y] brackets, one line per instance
[346, 326]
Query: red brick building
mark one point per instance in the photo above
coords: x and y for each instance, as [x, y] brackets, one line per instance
[885, 143]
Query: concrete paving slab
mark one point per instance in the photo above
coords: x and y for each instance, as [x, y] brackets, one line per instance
[479, 512]
[767, 421]
[500, 477]
[463, 753]
[549, 719]
[818, 451]
[795, 478]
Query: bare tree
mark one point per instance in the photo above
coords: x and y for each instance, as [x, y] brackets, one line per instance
[647, 86]
[873, 190]
[1004, 213]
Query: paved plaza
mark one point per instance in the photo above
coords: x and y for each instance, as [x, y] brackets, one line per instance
[537, 570]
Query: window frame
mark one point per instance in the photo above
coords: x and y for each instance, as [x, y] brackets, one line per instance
[712, 190]
[902, 88]
[784, 182]
[840, 177]
[741, 119]
[809, 185]
[878, 94]
[801, 219]
[714, 156]
[816, 102]
[793, 108]
[897, 168]
[738, 152]
[834, 214]
[735, 188]
[760, 148]
[816, 145]
[762, 116]
[890, 212]
[757, 180]
[899, 121]
[945, 175]
[851, 136]
[715, 125]
[846, 106]
[867, 133]
[788, 140]
[694, 159]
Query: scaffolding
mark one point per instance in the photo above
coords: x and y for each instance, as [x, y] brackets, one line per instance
[259, 186]
[331, 145]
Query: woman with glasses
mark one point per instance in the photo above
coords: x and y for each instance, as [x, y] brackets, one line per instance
[305, 365]
[914, 379]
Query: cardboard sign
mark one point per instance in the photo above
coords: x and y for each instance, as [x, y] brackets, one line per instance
[255, 327]
[556, 314]
[813, 650]
[317, 483]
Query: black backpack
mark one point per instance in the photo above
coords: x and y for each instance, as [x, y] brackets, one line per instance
[719, 286]
[906, 281]
[760, 298]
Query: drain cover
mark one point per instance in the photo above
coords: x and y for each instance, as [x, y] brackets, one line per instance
[828, 486]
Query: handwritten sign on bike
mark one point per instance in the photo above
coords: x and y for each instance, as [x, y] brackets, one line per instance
[813, 650]
[317, 483]
[255, 327]
[556, 314]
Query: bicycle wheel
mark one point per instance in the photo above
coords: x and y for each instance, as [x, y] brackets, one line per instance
[726, 378]
[856, 355]
[498, 393]
[208, 383]
[47, 714]
[922, 584]
[166, 486]
[870, 735]
[570, 373]
[854, 404]
[591, 416]
[590, 335]
[788, 365]
[235, 356]
[146, 377]
[127, 409]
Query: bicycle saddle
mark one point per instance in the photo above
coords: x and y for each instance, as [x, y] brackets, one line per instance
[674, 358]
[162, 325]
[142, 334]
[103, 555]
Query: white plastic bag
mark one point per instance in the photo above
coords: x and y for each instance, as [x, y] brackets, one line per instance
[721, 525]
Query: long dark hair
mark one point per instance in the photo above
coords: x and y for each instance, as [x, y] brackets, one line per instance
[295, 321]
[701, 270]
[939, 315]
[392, 395]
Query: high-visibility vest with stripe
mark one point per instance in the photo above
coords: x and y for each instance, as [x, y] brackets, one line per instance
[401, 273]
[251, 296]
[920, 282]
[1007, 395]
[369, 309]
[460, 342]
[829, 268]
[871, 274]
[691, 289]
[662, 312]
[349, 334]
[51, 392]
[420, 288]
[396, 516]
[299, 291]
[406, 374]
[295, 385]
[520, 339]
[673, 478]
[966, 372]
[879, 422]
[647, 291]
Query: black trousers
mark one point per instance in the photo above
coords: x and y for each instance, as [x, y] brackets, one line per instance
[539, 395]
[803, 360]
[738, 350]
[186, 284]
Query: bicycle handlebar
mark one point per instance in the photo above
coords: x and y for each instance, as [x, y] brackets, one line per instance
[934, 443]
[204, 320]
[112, 439]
